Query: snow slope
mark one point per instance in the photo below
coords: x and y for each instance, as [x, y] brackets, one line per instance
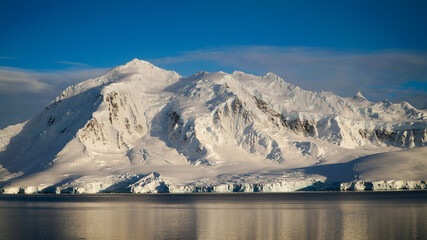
[140, 128]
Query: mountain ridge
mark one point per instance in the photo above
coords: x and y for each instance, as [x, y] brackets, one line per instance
[139, 119]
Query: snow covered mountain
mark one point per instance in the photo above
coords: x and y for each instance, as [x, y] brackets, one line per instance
[140, 128]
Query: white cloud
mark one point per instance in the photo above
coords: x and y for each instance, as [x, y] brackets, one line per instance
[25, 93]
[73, 63]
[378, 74]
[13, 81]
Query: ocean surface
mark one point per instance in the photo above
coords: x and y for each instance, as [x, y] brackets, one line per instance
[303, 215]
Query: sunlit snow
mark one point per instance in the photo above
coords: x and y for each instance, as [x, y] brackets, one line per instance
[143, 129]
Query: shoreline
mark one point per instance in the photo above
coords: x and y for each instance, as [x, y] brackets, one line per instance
[161, 187]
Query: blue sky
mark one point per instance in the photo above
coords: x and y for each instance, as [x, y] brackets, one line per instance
[377, 47]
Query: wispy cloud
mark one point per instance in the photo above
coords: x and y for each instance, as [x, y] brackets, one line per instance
[24, 93]
[14, 82]
[378, 74]
[73, 63]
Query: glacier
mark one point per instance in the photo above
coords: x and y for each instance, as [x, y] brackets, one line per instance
[143, 129]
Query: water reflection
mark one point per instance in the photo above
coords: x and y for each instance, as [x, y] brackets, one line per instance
[302, 218]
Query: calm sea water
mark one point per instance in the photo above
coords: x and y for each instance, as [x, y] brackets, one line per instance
[317, 215]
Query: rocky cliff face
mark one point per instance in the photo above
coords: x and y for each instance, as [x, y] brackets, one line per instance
[139, 118]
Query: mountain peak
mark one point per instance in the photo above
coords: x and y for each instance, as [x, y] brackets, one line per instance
[359, 96]
[140, 64]
[142, 128]
[137, 61]
[144, 68]
[271, 75]
[135, 66]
